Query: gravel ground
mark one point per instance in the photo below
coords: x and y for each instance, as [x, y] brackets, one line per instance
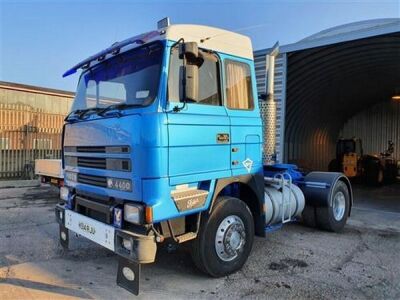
[296, 262]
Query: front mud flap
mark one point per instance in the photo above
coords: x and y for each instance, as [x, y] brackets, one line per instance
[128, 275]
[64, 237]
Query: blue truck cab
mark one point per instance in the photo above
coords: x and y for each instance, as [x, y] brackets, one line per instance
[164, 143]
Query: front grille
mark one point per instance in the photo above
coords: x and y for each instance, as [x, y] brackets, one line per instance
[115, 164]
[92, 180]
[97, 149]
[92, 162]
[91, 149]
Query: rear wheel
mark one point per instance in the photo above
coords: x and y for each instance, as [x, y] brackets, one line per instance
[64, 236]
[309, 216]
[225, 238]
[334, 217]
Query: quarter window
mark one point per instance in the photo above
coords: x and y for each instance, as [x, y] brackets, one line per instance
[239, 94]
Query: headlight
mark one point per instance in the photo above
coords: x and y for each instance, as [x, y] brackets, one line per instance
[67, 196]
[124, 185]
[64, 193]
[71, 176]
[133, 213]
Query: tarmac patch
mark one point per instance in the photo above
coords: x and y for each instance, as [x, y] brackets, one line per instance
[287, 263]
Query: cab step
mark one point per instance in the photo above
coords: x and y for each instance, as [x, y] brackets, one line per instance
[187, 198]
[186, 237]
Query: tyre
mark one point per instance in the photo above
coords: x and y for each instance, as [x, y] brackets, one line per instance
[225, 238]
[308, 216]
[334, 217]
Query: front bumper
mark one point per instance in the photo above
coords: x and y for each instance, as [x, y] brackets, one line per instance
[142, 250]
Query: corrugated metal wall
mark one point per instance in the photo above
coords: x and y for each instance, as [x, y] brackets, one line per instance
[328, 85]
[276, 112]
[30, 128]
[376, 126]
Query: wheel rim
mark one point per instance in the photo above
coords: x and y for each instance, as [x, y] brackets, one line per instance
[339, 206]
[230, 238]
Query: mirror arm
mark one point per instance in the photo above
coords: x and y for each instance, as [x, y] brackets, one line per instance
[176, 108]
[181, 40]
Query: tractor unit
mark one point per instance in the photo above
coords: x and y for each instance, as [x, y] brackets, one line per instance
[164, 144]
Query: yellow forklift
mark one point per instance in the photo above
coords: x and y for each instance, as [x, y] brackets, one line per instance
[368, 168]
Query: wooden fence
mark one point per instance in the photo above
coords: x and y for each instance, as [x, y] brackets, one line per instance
[26, 134]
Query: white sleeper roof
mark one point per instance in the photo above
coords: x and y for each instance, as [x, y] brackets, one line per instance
[212, 38]
[207, 37]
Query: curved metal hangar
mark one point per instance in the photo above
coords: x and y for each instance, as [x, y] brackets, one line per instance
[340, 82]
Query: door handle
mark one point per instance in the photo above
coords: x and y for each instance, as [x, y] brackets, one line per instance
[222, 138]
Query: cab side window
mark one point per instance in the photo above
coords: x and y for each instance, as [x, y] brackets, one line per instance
[209, 89]
[238, 88]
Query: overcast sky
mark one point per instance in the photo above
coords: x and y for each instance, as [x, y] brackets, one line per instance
[39, 40]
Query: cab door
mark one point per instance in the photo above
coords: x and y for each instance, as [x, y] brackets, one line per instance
[244, 115]
[198, 132]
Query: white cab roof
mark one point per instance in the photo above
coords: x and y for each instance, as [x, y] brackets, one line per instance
[212, 38]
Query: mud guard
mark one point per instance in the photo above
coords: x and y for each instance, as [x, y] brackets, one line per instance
[64, 237]
[128, 275]
[318, 186]
[63, 232]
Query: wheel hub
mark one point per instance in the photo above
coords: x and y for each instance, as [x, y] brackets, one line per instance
[230, 238]
[339, 206]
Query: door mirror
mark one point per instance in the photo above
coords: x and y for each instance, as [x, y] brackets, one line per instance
[189, 51]
[189, 89]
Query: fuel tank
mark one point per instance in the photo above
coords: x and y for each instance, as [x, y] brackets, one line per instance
[275, 195]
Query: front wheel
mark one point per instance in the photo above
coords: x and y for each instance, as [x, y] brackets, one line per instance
[225, 238]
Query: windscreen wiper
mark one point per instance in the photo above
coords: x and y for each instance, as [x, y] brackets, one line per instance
[119, 107]
[85, 111]
[74, 112]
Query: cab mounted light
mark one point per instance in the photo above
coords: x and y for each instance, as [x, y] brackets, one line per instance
[113, 49]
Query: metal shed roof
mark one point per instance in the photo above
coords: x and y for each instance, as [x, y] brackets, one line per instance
[35, 89]
[342, 33]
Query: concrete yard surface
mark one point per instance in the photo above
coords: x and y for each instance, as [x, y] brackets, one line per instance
[296, 262]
